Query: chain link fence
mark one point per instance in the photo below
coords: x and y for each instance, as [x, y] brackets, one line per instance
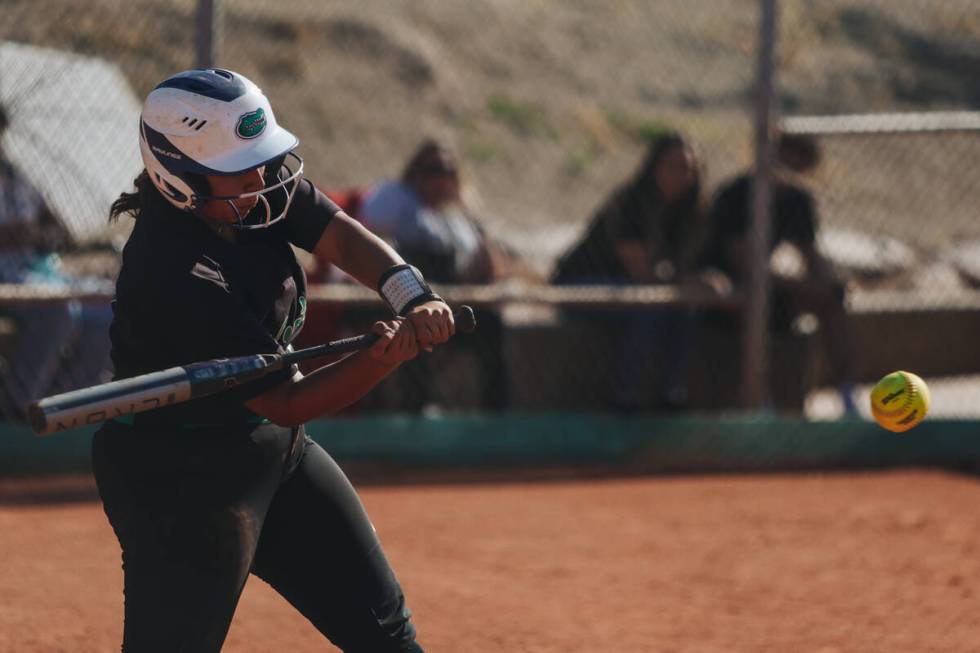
[550, 109]
[886, 92]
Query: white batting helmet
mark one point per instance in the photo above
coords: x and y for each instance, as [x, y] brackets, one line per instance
[216, 122]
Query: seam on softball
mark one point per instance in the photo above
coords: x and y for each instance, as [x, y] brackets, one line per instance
[910, 392]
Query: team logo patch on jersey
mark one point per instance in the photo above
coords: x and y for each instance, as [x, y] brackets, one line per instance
[251, 124]
[290, 330]
[210, 270]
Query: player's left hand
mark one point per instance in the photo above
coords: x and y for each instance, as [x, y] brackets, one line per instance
[433, 323]
[396, 343]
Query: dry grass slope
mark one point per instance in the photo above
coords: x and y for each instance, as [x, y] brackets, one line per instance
[550, 101]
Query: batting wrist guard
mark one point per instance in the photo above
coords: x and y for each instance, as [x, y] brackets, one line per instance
[403, 288]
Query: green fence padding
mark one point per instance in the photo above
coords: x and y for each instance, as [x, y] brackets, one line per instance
[670, 445]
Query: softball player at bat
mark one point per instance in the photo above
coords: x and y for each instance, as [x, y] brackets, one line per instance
[203, 493]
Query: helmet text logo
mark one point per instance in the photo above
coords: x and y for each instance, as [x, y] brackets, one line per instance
[158, 150]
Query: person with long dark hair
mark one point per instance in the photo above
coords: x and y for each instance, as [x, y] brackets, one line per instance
[202, 493]
[649, 231]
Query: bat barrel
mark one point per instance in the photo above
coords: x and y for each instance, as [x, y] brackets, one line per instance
[146, 392]
[124, 397]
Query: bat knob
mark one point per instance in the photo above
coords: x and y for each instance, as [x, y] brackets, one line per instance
[465, 320]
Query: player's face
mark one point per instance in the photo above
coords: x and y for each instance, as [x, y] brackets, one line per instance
[232, 186]
[676, 172]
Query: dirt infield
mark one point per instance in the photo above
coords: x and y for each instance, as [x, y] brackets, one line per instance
[884, 562]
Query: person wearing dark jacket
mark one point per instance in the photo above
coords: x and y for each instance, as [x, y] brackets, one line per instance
[648, 232]
[794, 221]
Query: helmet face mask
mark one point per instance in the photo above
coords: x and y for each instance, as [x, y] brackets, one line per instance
[275, 183]
[214, 122]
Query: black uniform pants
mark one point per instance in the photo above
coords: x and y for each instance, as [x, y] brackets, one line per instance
[196, 510]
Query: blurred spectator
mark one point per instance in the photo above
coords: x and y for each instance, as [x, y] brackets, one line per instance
[425, 218]
[58, 345]
[818, 291]
[648, 232]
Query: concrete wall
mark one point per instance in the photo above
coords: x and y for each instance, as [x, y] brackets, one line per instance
[571, 365]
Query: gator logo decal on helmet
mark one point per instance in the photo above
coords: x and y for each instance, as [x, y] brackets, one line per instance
[251, 124]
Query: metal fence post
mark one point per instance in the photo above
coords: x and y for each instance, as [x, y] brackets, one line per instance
[755, 334]
[208, 33]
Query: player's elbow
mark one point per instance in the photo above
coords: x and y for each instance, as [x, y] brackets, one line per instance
[290, 420]
[274, 406]
[282, 411]
[285, 421]
[277, 417]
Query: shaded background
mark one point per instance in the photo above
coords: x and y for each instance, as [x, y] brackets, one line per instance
[550, 105]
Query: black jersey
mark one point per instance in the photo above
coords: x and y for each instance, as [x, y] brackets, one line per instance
[184, 295]
[794, 220]
[636, 213]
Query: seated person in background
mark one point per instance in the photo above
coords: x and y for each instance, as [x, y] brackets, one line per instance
[794, 221]
[422, 214]
[648, 232]
[58, 345]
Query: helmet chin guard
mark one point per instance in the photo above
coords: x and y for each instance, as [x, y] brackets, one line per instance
[213, 122]
[285, 184]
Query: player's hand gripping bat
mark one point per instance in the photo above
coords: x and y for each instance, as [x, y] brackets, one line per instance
[178, 384]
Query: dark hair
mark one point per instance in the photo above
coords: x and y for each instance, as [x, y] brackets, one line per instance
[657, 150]
[427, 159]
[133, 203]
[798, 151]
[4, 119]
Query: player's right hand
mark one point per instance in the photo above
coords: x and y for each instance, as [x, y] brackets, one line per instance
[432, 322]
[397, 342]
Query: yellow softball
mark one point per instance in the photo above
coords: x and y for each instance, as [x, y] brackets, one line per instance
[900, 401]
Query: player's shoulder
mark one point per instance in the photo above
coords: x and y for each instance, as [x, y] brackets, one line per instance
[308, 215]
[310, 202]
[308, 194]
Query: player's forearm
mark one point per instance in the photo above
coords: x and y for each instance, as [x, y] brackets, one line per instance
[326, 391]
[356, 250]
